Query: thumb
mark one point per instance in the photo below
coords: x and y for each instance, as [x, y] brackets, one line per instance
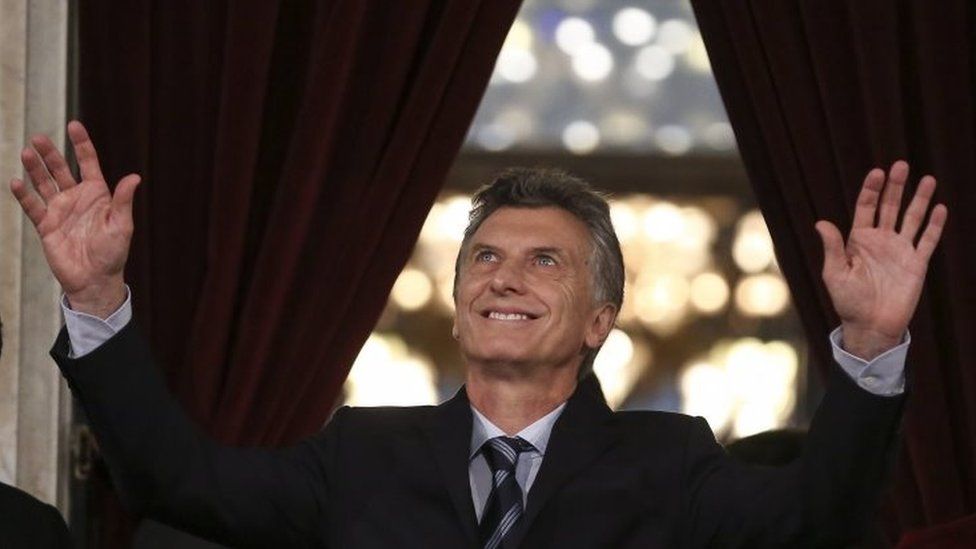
[125, 193]
[834, 257]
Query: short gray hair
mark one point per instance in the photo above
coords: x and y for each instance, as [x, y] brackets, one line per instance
[546, 187]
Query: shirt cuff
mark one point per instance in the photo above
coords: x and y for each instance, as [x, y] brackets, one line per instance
[88, 332]
[884, 376]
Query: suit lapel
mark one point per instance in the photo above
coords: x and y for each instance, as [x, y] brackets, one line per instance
[579, 437]
[450, 438]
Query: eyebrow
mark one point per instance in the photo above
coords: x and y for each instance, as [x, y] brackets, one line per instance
[480, 247]
[548, 250]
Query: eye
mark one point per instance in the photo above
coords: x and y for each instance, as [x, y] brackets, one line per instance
[485, 256]
[545, 261]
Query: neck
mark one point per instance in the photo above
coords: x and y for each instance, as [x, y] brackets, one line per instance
[513, 403]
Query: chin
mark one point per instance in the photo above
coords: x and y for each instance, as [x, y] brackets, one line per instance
[498, 356]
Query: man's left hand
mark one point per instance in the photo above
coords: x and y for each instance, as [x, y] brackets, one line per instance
[876, 279]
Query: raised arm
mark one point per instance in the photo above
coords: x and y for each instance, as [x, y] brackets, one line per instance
[85, 230]
[875, 280]
[825, 498]
[163, 465]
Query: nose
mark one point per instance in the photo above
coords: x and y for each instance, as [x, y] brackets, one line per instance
[508, 277]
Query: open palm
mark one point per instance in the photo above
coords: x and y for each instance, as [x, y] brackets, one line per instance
[875, 280]
[85, 230]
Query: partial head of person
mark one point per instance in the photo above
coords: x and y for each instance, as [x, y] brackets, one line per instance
[539, 277]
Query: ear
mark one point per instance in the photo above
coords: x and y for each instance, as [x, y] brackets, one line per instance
[600, 326]
[454, 329]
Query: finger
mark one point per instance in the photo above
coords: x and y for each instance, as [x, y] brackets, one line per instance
[38, 174]
[124, 195]
[867, 200]
[835, 260]
[32, 204]
[933, 231]
[84, 152]
[915, 213]
[54, 161]
[891, 198]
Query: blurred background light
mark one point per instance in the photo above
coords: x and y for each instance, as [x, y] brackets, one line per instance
[581, 137]
[592, 62]
[697, 56]
[623, 128]
[386, 374]
[639, 72]
[454, 218]
[752, 248]
[745, 386]
[654, 63]
[520, 121]
[661, 301]
[663, 222]
[719, 136]
[634, 26]
[516, 65]
[673, 139]
[519, 36]
[617, 367]
[704, 392]
[412, 289]
[675, 35]
[698, 227]
[495, 137]
[709, 293]
[762, 295]
[574, 33]
[624, 220]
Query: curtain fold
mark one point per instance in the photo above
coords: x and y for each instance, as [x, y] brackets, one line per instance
[290, 153]
[819, 92]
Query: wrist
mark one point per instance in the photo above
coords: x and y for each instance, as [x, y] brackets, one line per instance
[99, 300]
[865, 343]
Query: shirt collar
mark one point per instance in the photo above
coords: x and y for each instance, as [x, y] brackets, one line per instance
[536, 434]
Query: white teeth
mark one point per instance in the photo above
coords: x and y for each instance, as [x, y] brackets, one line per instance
[507, 316]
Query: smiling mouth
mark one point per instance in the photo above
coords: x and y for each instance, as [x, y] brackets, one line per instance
[495, 315]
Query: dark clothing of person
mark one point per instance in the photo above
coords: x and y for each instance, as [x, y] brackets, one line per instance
[398, 477]
[26, 522]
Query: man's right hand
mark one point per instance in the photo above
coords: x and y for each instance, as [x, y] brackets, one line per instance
[85, 230]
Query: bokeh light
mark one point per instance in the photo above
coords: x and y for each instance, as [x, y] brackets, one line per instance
[634, 26]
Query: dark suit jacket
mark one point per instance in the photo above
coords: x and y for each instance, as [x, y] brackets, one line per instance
[398, 477]
[26, 522]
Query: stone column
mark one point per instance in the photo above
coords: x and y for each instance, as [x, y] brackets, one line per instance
[34, 403]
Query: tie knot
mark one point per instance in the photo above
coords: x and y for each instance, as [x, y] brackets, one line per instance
[503, 452]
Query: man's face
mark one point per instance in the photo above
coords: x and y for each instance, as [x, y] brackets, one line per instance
[524, 295]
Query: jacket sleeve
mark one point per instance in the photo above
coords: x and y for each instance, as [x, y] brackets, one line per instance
[823, 499]
[164, 466]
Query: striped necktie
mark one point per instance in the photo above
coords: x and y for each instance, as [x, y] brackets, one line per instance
[504, 506]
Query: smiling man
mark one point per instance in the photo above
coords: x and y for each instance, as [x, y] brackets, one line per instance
[527, 454]
[529, 310]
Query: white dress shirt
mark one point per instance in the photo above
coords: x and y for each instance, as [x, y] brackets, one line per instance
[528, 464]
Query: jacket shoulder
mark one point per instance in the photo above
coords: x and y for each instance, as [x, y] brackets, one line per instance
[655, 419]
[382, 418]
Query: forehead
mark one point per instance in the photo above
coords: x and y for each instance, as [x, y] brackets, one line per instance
[534, 227]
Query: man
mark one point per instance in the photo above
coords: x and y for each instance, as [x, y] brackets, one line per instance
[524, 455]
[26, 521]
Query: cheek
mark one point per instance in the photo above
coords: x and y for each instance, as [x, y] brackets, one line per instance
[468, 287]
[573, 296]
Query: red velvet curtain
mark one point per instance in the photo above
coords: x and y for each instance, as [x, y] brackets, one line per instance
[290, 152]
[819, 92]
